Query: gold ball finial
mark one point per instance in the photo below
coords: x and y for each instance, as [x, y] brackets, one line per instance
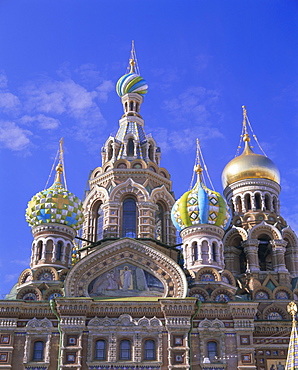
[292, 309]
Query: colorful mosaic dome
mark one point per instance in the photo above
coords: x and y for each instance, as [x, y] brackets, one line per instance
[200, 205]
[55, 205]
[131, 83]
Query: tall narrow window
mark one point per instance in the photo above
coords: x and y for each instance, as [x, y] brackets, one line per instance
[149, 350]
[129, 218]
[125, 350]
[214, 247]
[110, 151]
[150, 152]
[38, 351]
[100, 350]
[275, 205]
[59, 250]
[258, 201]
[130, 147]
[131, 105]
[39, 250]
[159, 223]
[212, 350]
[195, 251]
[99, 224]
[247, 202]
[267, 203]
[238, 205]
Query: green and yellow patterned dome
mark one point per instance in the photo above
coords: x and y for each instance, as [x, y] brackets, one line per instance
[55, 205]
[200, 205]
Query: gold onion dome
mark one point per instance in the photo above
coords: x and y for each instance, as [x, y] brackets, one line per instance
[249, 165]
[200, 206]
[55, 205]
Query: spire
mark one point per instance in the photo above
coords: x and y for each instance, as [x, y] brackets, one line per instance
[60, 167]
[292, 358]
[200, 166]
[246, 137]
[133, 62]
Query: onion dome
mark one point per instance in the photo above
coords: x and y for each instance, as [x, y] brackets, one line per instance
[131, 82]
[55, 205]
[249, 165]
[199, 206]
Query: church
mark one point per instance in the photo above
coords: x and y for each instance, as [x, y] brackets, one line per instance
[131, 296]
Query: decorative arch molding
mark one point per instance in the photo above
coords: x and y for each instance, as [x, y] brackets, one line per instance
[275, 308]
[96, 172]
[162, 194]
[129, 187]
[35, 292]
[289, 234]
[263, 289]
[125, 320]
[137, 161]
[208, 270]
[35, 323]
[45, 270]
[211, 324]
[233, 233]
[25, 277]
[229, 276]
[121, 161]
[223, 292]
[194, 292]
[126, 251]
[264, 228]
[98, 193]
[283, 289]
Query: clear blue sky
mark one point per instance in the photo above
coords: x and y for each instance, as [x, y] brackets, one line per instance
[202, 60]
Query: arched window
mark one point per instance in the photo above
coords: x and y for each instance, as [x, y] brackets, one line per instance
[137, 107]
[110, 151]
[130, 147]
[39, 250]
[247, 202]
[267, 202]
[150, 152]
[38, 350]
[131, 105]
[126, 107]
[149, 350]
[59, 250]
[125, 350]
[238, 205]
[159, 223]
[129, 218]
[195, 255]
[265, 253]
[214, 248]
[212, 350]
[100, 350]
[258, 202]
[99, 223]
[275, 205]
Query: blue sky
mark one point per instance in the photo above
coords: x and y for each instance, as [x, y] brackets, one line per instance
[60, 61]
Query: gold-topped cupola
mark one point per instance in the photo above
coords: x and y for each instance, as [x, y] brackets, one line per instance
[249, 164]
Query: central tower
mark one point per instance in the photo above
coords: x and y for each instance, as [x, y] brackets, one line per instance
[130, 194]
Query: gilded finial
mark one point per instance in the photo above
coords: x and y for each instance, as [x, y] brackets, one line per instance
[292, 309]
[246, 137]
[59, 168]
[198, 168]
[132, 61]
